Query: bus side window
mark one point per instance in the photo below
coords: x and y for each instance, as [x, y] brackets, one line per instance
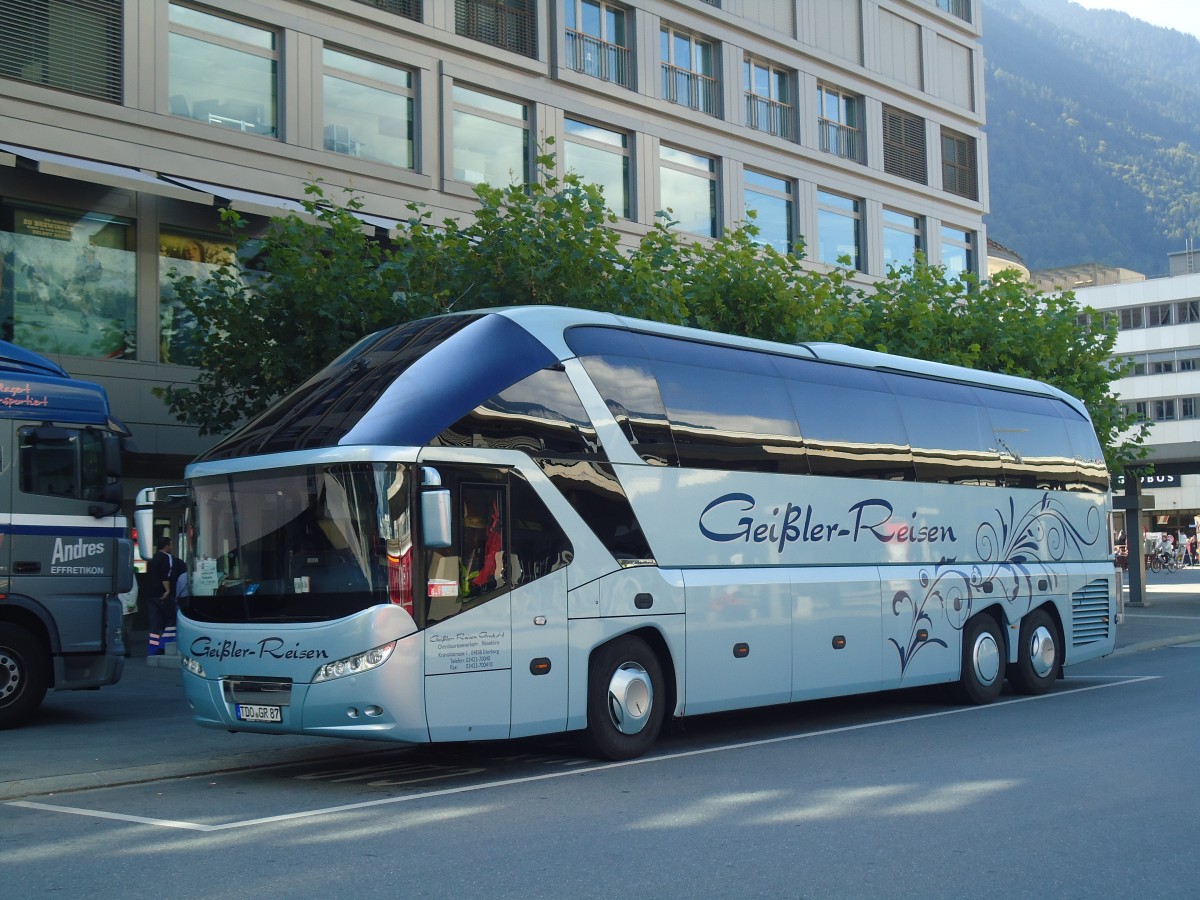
[482, 526]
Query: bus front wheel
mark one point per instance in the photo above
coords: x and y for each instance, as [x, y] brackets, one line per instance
[983, 659]
[1039, 656]
[24, 676]
[625, 700]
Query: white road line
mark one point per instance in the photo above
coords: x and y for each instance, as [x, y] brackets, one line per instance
[1106, 682]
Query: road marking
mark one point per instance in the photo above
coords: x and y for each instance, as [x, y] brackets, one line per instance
[1104, 682]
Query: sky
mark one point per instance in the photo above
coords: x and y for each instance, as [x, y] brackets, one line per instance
[1182, 15]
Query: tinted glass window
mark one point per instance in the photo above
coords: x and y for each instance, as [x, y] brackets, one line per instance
[948, 431]
[631, 392]
[540, 415]
[593, 491]
[730, 420]
[849, 421]
[62, 462]
[1032, 439]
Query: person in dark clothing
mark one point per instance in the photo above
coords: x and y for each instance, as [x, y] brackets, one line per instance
[163, 569]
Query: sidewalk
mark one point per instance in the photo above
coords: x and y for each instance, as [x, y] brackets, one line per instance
[140, 729]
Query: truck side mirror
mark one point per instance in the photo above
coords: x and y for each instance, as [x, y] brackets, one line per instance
[112, 455]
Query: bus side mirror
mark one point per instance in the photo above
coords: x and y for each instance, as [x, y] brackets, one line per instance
[435, 518]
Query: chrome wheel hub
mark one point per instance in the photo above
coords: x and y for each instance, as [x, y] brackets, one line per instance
[630, 698]
[985, 659]
[1042, 652]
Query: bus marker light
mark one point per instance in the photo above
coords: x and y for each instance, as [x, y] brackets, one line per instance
[741, 651]
[539, 666]
[923, 635]
[839, 642]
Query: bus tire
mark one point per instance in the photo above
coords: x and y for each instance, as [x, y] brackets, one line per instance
[624, 701]
[983, 659]
[24, 675]
[1039, 655]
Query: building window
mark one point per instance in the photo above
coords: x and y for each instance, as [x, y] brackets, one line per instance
[904, 145]
[839, 230]
[960, 8]
[181, 255]
[410, 9]
[770, 198]
[491, 139]
[688, 189]
[688, 70]
[508, 24]
[768, 98]
[599, 156]
[1141, 410]
[959, 173]
[1187, 408]
[1160, 314]
[70, 286]
[222, 72]
[71, 45]
[1188, 364]
[1187, 311]
[901, 239]
[1132, 318]
[839, 122]
[597, 42]
[1164, 410]
[958, 251]
[1162, 366]
[368, 109]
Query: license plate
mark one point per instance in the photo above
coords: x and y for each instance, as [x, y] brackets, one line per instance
[259, 713]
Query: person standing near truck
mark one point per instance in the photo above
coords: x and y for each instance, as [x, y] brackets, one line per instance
[163, 569]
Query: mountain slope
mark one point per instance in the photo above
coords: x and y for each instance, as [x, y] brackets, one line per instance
[1092, 135]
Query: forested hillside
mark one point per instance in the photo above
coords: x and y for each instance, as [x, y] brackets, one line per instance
[1093, 122]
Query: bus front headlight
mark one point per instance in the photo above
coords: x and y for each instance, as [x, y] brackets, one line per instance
[355, 665]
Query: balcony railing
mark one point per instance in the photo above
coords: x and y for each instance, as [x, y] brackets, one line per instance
[688, 88]
[765, 114]
[509, 24]
[841, 140]
[592, 56]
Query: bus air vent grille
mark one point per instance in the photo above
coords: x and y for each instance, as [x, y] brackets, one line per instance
[1091, 618]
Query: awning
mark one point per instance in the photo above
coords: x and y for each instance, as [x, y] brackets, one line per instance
[124, 177]
[258, 204]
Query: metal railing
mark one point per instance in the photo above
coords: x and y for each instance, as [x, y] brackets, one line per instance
[765, 114]
[592, 56]
[839, 139]
[688, 88]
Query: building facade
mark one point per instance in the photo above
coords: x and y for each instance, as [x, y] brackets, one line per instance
[1159, 334]
[126, 125]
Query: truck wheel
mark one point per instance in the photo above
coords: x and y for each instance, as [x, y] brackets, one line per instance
[24, 675]
[983, 659]
[625, 700]
[1039, 656]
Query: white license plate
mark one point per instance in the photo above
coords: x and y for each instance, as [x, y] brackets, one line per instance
[259, 713]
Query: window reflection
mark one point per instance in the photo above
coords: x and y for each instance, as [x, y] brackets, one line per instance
[67, 282]
[184, 255]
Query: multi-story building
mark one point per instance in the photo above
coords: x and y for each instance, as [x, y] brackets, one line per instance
[1159, 334]
[126, 124]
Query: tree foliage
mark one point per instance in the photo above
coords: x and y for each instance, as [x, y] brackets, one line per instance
[312, 285]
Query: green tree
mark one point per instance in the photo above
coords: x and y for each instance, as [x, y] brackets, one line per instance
[312, 285]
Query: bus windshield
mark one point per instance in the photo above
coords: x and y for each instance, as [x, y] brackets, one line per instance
[307, 544]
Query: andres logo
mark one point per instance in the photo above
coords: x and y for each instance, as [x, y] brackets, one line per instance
[68, 556]
[71, 552]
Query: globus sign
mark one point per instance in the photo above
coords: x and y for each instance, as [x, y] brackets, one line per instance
[1150, 481]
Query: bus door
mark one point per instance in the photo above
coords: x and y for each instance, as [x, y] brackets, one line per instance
[496, 602]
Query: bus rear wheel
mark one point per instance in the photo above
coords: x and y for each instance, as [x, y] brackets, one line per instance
[983, 659]
[1039, 656]
[24, 677]
[625, 700]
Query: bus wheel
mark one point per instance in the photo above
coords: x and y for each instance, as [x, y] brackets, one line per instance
[1039, 655]
[982, 662]
[625, 700]
[23, 675]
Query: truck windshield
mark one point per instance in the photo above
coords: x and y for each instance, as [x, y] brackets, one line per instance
[300, 545]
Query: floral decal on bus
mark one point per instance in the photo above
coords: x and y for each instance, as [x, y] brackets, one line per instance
[1017, 553]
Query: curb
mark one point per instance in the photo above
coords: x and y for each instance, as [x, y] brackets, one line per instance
[1156, 644]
